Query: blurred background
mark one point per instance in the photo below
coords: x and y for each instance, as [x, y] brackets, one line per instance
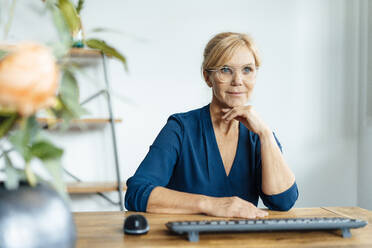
[314, 87]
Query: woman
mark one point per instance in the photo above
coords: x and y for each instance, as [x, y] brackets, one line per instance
[216, 160]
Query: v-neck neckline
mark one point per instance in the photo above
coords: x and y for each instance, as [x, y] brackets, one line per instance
[217, 149]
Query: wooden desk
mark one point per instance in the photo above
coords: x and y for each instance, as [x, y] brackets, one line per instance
[104, 229]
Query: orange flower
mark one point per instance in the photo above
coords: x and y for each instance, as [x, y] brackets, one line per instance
[28, 78]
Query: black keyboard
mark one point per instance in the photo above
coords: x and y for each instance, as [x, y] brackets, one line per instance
[193, 228]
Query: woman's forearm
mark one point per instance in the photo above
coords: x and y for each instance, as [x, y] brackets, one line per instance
[163, 200]
[276, 175]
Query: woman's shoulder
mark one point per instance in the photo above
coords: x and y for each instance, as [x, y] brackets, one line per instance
[189, 117]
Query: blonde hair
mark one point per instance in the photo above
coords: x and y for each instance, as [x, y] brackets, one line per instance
[222, 47]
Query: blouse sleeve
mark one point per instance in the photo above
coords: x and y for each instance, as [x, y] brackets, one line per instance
[157, 167]
[282, 201]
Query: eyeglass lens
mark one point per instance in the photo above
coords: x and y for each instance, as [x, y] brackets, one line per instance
[226, 73]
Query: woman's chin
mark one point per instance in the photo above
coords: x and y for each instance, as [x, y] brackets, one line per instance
[230, 102]
[235, 103]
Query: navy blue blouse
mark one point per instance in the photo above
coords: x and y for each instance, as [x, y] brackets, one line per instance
[185, 157]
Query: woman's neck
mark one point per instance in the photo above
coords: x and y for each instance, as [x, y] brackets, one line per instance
[219, 124]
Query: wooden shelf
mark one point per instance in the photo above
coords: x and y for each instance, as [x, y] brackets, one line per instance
[83, 57]
[76, 124]
[78, 121]
[84, 52]
[92, 187]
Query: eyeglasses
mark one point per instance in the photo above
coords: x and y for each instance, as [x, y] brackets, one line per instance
[225, 74]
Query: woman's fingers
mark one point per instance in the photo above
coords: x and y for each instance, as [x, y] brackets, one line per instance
[251, 214]
[235, 207]
[226, 113]
[248, 210]
[257, 212]
[233, 113]
[247, 116]
[262, 213]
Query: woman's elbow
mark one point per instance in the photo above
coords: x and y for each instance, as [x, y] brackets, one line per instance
[284, 203]
[129, 202]
[286, 206]
[137, 195]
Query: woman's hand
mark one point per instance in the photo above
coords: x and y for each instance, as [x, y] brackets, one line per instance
[232, 207]
[246, 115]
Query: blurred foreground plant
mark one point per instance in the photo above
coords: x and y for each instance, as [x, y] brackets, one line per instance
[29, 80]
[35, 79]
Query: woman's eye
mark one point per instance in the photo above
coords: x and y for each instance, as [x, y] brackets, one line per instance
[226, 70]
[247, 69]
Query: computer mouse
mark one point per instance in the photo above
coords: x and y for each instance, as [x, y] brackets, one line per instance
[136, 224]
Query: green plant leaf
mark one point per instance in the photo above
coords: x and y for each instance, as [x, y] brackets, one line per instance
[45, 150]
[3, 53]
[12, 175]
[64, 43]
[31, 128]
[7, 122]
[69, 89]
[11, 12]
[31, 177]
[69, 95]
[107, 50]
[22, 138]
[70, 15]
[18, 141]
[54, 167]
[79, 6]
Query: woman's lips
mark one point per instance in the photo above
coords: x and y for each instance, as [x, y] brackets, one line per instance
[235, 93]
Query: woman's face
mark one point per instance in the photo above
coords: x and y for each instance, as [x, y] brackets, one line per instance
[233, 84]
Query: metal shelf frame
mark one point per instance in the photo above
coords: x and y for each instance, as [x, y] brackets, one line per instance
[107, 92]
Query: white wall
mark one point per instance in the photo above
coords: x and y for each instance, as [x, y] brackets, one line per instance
[365, 110]
[307, 89]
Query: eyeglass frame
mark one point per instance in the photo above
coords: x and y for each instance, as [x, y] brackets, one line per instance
[255, 68]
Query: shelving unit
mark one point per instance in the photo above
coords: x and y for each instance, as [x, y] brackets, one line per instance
[85, 57]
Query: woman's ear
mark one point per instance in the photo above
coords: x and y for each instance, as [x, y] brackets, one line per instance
[207, 78]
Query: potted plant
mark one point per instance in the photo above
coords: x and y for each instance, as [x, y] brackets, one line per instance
[33, 78]
[33, 211]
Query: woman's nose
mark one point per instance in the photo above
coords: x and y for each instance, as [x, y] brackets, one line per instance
[237, 79]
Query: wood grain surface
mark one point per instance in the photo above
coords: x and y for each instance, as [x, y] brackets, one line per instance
[104, 229]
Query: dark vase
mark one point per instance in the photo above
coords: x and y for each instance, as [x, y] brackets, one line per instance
[33, 217]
